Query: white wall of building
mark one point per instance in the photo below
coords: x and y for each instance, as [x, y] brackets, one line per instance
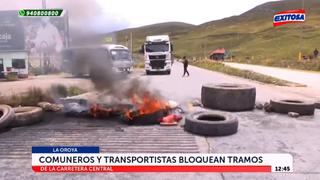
[7, 61]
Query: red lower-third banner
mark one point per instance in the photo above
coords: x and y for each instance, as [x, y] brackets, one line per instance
[151, 168]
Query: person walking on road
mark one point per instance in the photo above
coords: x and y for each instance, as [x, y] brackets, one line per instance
[315, 53]
[185, 66]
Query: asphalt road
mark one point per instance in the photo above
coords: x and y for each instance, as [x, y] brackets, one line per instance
[309, 78]
[182, 89]
[259, 132]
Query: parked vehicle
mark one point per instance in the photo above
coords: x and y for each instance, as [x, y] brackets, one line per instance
[121, 57]
[81, 61]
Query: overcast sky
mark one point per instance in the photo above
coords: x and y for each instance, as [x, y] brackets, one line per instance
[110, 15]
[143, 12]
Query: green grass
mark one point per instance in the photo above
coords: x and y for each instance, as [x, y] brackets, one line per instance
[219, 67]
[12, 76]
[60, 90]
[35, 95]
[138, 61]
[74, 91]
[31, 98]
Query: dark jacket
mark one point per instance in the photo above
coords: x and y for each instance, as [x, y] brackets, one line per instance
[185, 63]
[315, 52]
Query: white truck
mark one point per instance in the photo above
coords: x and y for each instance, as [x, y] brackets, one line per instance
[157, 54]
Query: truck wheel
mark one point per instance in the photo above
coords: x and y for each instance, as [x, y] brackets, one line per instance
[285, 106]
[6, 116]
[27, 115]
[228, 97]
[211, 123]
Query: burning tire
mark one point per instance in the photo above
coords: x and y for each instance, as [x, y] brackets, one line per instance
[27, 116]
[228, 97]
[211, 124]
[285, 106]
[6, 116]
[147, 119]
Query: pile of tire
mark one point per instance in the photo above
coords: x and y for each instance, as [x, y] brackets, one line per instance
[209, 123]
[6, 116]
[19, 116]
[285, 106]
[26, 115]
[228, 97]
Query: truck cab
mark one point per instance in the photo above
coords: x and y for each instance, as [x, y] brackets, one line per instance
[157, 54]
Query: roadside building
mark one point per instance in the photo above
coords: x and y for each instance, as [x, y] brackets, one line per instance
[14, 61]
[31, 41]
[13, 55]
[218, 54]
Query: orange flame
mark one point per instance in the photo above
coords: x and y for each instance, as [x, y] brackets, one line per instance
[147, 104]
[144, 104]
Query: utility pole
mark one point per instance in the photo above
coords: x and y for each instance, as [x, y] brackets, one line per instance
[66, 18]
[127, 41]
[204, 56]
[131, 44]
[301, 32]
[44, 4]
[204, 50]
[42, 56]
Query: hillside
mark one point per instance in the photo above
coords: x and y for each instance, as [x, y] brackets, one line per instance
[248, 37]
[174, 29]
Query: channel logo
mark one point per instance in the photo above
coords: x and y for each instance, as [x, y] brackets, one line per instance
[291, 16]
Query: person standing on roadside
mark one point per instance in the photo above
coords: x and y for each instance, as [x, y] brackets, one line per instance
[315, 53]
[185, 66]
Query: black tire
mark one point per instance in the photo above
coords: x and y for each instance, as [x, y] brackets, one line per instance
[317, 105]
[211, 123]
[228, 97]
[169, 72]
[26, 116]
[148, 119]
[6, 116]
[148, 73]
[285, 106]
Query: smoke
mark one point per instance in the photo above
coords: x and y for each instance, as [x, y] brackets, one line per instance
[87, 21]
[92, 60]
[113, 87]
[86, 17]
[95, 61]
